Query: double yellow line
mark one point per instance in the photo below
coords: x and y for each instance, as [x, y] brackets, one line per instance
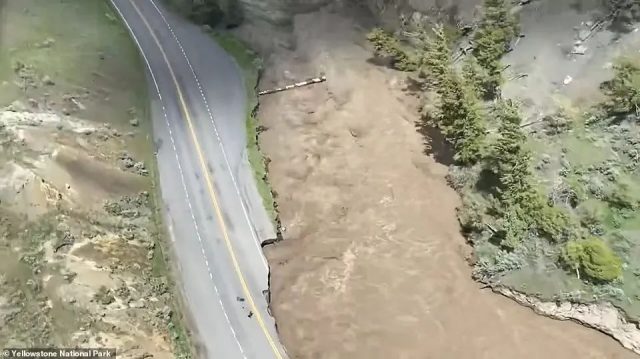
[211, 191]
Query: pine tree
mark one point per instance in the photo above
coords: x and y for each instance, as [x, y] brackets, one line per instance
[436, 59]
[470, 128]
[511, 162]
[497, 14]
[510, 159]
[475, 76]
[491, 41]
[386, 45]
[460, 118]
[513, 227]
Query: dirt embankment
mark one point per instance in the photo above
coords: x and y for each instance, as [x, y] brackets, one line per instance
[373, 264]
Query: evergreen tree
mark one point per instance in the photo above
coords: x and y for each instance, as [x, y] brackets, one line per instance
[512, 227]
[510, 159]
[436, 57]
[497, 14]
[475, 76]
[470, 128]
[387, 45]
[491, 41]
[460, 118]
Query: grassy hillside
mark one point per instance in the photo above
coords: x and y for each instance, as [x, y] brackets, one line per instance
[73, 63]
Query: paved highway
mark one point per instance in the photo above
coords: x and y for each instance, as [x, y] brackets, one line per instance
[214, 213]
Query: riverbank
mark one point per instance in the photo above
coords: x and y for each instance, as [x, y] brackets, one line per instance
[370, 219]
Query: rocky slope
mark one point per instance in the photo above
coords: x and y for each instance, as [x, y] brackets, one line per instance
[388, 11]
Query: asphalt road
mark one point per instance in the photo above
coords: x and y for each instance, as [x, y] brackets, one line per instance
[214, 213]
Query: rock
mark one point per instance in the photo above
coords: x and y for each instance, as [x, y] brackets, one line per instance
[579, 50]
[583, 34]
[134, 122]
[595, 186]
[126, 161]
[567, 80]
[48, 81]
[17, 106]
[140, 168]
[206, 28]
[47, 43]
[33, 102]
[137, 304]
[546, 158]
[104, 296]
[62, 227]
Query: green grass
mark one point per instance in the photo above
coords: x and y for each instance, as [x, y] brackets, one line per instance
[583, 152]
[90, 56]
[251, 66]
[589, 151]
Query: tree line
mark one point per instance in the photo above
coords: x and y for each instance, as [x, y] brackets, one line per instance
[461, 112]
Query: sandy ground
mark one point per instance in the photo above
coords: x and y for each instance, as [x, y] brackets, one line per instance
[373, 265]
[553, 30]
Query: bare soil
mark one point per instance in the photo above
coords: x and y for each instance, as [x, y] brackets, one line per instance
[373, 264]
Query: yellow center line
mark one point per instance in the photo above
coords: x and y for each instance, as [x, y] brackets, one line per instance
[212, 194]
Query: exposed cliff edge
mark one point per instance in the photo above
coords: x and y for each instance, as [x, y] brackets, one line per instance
[281, 12]
[603, 317]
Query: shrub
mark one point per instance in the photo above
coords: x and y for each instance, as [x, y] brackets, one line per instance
[470, 215]
[594, 258]
[621, 196]
[551, 221]
[491, 266]
[591, 215]
[557, 123]
[206, 12]
[513, 228]
[623, 91]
